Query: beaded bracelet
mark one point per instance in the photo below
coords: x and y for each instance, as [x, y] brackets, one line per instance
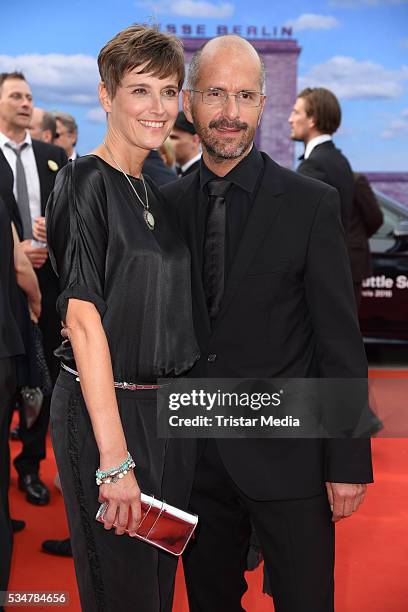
[114, 474]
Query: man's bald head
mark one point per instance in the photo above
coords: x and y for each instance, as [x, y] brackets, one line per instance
[36, 123]
[216, 47]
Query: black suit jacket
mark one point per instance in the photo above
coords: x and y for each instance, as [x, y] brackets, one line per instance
[155, 167]
[11, 343]
[192, 168]
[288, 311]
[43, 153]
[49, 320]
[366, 219]
[327, 163]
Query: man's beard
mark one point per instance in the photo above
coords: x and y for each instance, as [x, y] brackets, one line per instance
[220, 149]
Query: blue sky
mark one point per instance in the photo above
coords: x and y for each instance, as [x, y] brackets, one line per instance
[357, 48]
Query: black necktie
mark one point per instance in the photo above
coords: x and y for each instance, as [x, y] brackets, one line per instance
[23, 200]
[214, 246]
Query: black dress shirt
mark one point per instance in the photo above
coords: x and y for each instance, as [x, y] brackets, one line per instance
[245, 179]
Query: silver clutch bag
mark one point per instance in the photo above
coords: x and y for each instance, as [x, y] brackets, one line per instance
[161, 525]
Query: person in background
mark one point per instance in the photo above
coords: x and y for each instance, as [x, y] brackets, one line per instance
[11, 346]
[155, 167]
[28, 169]
[43, 125]
[315, 117]
[66, 133]
[366, 219]
[186, 145]
[167, 153]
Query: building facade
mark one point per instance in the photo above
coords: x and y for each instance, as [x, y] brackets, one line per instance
[280, 57]
[392, 184]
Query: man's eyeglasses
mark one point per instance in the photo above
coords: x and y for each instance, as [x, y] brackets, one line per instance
[218, 97]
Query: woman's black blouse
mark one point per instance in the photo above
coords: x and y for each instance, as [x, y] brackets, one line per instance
[138, 279]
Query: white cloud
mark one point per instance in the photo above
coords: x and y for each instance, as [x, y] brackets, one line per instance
[191, 8]
[310, 21]
[397, 127]
[96, 115]
[349, 78]
[348, 132]
[57, 78]
[360, 3]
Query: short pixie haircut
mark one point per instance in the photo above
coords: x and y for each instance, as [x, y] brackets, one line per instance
[323, 106]
[160, 54]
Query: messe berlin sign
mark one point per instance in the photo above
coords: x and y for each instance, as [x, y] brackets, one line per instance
[202, 30]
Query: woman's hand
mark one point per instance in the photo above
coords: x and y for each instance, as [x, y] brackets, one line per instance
[39, 230]
[38, 256]
[124, 508]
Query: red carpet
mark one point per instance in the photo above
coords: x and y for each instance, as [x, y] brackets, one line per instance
[372, 546]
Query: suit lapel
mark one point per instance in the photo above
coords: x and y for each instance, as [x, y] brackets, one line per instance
[265, 208]
[6, 171]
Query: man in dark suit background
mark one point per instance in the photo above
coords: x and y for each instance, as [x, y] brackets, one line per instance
[315, 117]
[155, 167]
[28, 169]
[272, 297]
[366, 219]
[186, 145]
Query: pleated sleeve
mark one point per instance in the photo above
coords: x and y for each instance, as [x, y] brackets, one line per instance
[77, 235]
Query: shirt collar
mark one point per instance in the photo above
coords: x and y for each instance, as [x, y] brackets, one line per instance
[244, 175]
[190, 162]
[4, 139]
[314, 142]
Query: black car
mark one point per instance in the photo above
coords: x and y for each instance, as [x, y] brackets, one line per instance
[384, 306]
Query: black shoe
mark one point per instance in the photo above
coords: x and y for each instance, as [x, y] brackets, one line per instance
[17, 525]
[61, 548]
[375, 425]
[36, 491]
[15, 433]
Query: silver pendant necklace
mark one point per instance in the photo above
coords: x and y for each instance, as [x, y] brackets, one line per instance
[147, 215]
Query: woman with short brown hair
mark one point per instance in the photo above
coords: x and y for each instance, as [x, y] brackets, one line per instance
[126, 303]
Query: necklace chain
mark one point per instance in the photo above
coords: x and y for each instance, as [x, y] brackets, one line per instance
[147, 215]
